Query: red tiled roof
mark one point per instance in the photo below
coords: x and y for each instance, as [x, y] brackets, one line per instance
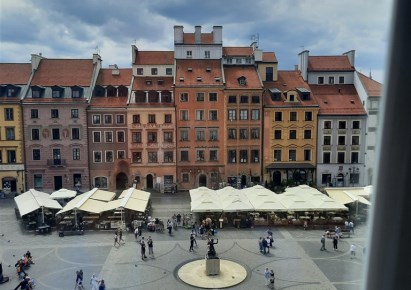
[154, 57]
[63, 72]
[106, 77]
[140, 83]
[232, 73]
[269, 57]
[329, 63]
[338, 100]
[286, 81]
[206, 38]
[237, 51]
[111, 102]
[198, 70]
[14, 73]
[373, 87]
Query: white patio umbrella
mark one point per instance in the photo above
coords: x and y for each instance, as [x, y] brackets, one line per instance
[63, 193]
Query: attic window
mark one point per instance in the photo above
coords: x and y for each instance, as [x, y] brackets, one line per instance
[304, 94]
[148, 82]
[275, 94]
[181, 79]
[76, 92]
[352, 102]
[57, 92]
[160, 82]
[208, 69]
[217, 79]
[190, 69]
[242, 81]
[199, 79]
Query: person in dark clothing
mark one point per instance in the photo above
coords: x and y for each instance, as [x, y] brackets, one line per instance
[335, 242]
[265, 246]
[24, 284]
[143, 248]
[102, 286]
[192, 238]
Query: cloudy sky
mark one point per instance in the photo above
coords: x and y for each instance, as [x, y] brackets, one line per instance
[79, 28]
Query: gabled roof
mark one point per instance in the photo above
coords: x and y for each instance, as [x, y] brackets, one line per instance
[14, 73]
[338, 100]
[140, 83]
[106, 78]
[373, 87]
[233, 73]
[286, 81]
[206, 38]
[329, 63]
[269, 57]
[190, 70]
[154, 57]
[63, 72]
[237, 51]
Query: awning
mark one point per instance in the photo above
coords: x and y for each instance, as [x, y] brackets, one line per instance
[132, 199]
[93, 201]
[344, 196]
[63, 193]
[33, 200]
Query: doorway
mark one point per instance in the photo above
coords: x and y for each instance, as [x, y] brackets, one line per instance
[277, 178]
[58, 182]
[149, 181]
[121, 181]
[202, 180]
[243, 181]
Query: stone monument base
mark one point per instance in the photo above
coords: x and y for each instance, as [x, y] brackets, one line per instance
[212, 265]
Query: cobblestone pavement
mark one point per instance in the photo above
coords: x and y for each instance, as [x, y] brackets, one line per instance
[296, 257]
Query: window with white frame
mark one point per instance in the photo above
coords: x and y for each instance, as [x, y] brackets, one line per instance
[213, 155]
[97, 157]
[200, 115]
[326, 140]
[184, 97]
[136, 157]
[96, 119]
[184, 115]
[232, 114]
[232, 133]
[108, 119]
[212, 115]
[36, 154]
[243, 114]
[355, 140]
[327, 125]
[74, 113]
[277, 155]
[184, 155]
[326, 157]
[120, 119]
[207, 54]
[255, 114]
[152, 137]
[121, 154]
[76, 153]
[212, 97]
[255, 133]
[200, 97]
[120, 136]
[184, 135]
[200, 134]
[96, 137]
[213, 134]
[75, 133]
[243, 133]
[136, 137]
[200, 155]
[189, 54]
[168, 137]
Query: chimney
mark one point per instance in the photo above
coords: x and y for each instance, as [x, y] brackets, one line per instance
[114, 69]
[134, 51]
[217, 34]
[197, 34]
[303, 64]
[178, 34]
[35, 61]
[351, 57]
[258, 54]
[96, 58]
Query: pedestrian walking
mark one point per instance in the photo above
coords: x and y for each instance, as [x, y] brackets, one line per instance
[265, 246]
[120, 235]
[260, 244]
[150, 246]
[351, 226]
[305, 225]
[353, 248]
[94, 282]
[169, 226]
[192, 238]
[116, 239]
[272, 279]
[323, 243]
[143, 248]
[102, 286]
[267, 276]
[193, 233]
[79, 279]
[136, 233]
[335, 242]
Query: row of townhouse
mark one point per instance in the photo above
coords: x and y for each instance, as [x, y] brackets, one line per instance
[201, 115]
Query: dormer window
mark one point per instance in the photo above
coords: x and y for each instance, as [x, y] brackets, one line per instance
[57, 92]
[181, 79]
[238, 61]
[291, 98]
[189, 69]
[148, 82]
[275, 94]
[230, 60]
[208, 69]
[217, 79]
[154, 71]
[12, 91]
[37, 92]
[207, 54]
[76, 92]
[99, 91]
[199, 79]
[304, 94]
[242, 81]
[189, 54]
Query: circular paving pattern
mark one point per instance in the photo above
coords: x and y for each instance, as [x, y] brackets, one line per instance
[194, 274]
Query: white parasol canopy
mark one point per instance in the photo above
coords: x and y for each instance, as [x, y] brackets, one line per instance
[63, 193]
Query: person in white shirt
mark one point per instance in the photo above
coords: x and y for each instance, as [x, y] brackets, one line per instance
[352, 250]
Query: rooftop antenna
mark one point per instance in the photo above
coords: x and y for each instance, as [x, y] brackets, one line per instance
[370, 74]
[97, 49]
[256, 38]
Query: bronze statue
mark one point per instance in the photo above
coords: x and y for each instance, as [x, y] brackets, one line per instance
[211, 250]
